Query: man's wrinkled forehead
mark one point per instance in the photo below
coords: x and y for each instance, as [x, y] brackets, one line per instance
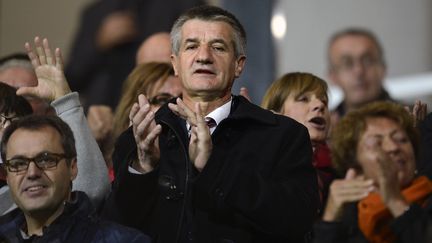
[210, 31]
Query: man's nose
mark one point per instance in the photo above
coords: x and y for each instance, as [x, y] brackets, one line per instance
[204, 55]
[33, 171]
[358, 67]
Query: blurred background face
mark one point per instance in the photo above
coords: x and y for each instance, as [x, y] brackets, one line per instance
[357, 68]
[383, 134]
[311, 111]
[36, 190]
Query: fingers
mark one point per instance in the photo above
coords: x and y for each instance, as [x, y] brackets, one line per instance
[351, 174]
[27, 91]
[142, 126]
[47, 50]
[59, 59]
[183, 111]
[142, 100]
[151, 138]
[43, 54]
[420, 110]
[139, 111]
[245, 93]
[40, 51]
[32, 55]
[344, 191]
[202, 130]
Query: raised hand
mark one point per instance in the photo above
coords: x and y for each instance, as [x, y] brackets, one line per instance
[52, 82]
[351, 189]
[146, 134]
[386, 177]
[418, 112]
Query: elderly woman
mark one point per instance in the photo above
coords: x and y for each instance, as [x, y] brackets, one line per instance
[380, 199]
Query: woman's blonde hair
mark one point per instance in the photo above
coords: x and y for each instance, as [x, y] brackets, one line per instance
[144, 79]
[295, 84]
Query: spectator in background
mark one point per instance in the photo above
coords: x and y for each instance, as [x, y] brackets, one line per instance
[53, 89]
[381, 199]
[40, 158]
[303, 97]
[356, 64]
[156, 48]
[11, 107]
[17, 71]
[105, 46]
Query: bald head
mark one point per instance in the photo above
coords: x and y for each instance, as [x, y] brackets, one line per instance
[156, 48]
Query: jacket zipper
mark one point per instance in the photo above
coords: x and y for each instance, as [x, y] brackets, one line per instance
[186, 190]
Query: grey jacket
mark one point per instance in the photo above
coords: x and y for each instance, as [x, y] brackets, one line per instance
[92, 171]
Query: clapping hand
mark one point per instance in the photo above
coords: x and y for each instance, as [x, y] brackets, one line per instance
[200, 143]
[146, 134]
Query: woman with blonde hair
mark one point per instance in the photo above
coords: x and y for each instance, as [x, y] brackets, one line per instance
[155, 80]
[303, 97]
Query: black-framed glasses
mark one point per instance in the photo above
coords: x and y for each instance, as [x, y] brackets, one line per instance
[43, 161]
[5, 120]
[161, 99]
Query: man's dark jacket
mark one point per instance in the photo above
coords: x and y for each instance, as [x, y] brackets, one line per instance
[257, 186]
[77, 224]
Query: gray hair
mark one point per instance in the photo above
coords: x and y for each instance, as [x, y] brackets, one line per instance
[16, 60]
[210, 13]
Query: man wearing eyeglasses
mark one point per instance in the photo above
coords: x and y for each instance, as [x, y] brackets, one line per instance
[357, 66]
[40, 159]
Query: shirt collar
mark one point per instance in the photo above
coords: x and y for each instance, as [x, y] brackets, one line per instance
[221, 112]
[218, 114]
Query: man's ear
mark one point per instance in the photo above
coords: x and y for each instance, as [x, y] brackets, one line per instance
[73, 169]
[240, 62]
[174, 61]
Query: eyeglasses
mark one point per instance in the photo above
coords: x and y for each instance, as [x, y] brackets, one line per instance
[161, 99]
[43, 161]
[5, 121]
[348, 63]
